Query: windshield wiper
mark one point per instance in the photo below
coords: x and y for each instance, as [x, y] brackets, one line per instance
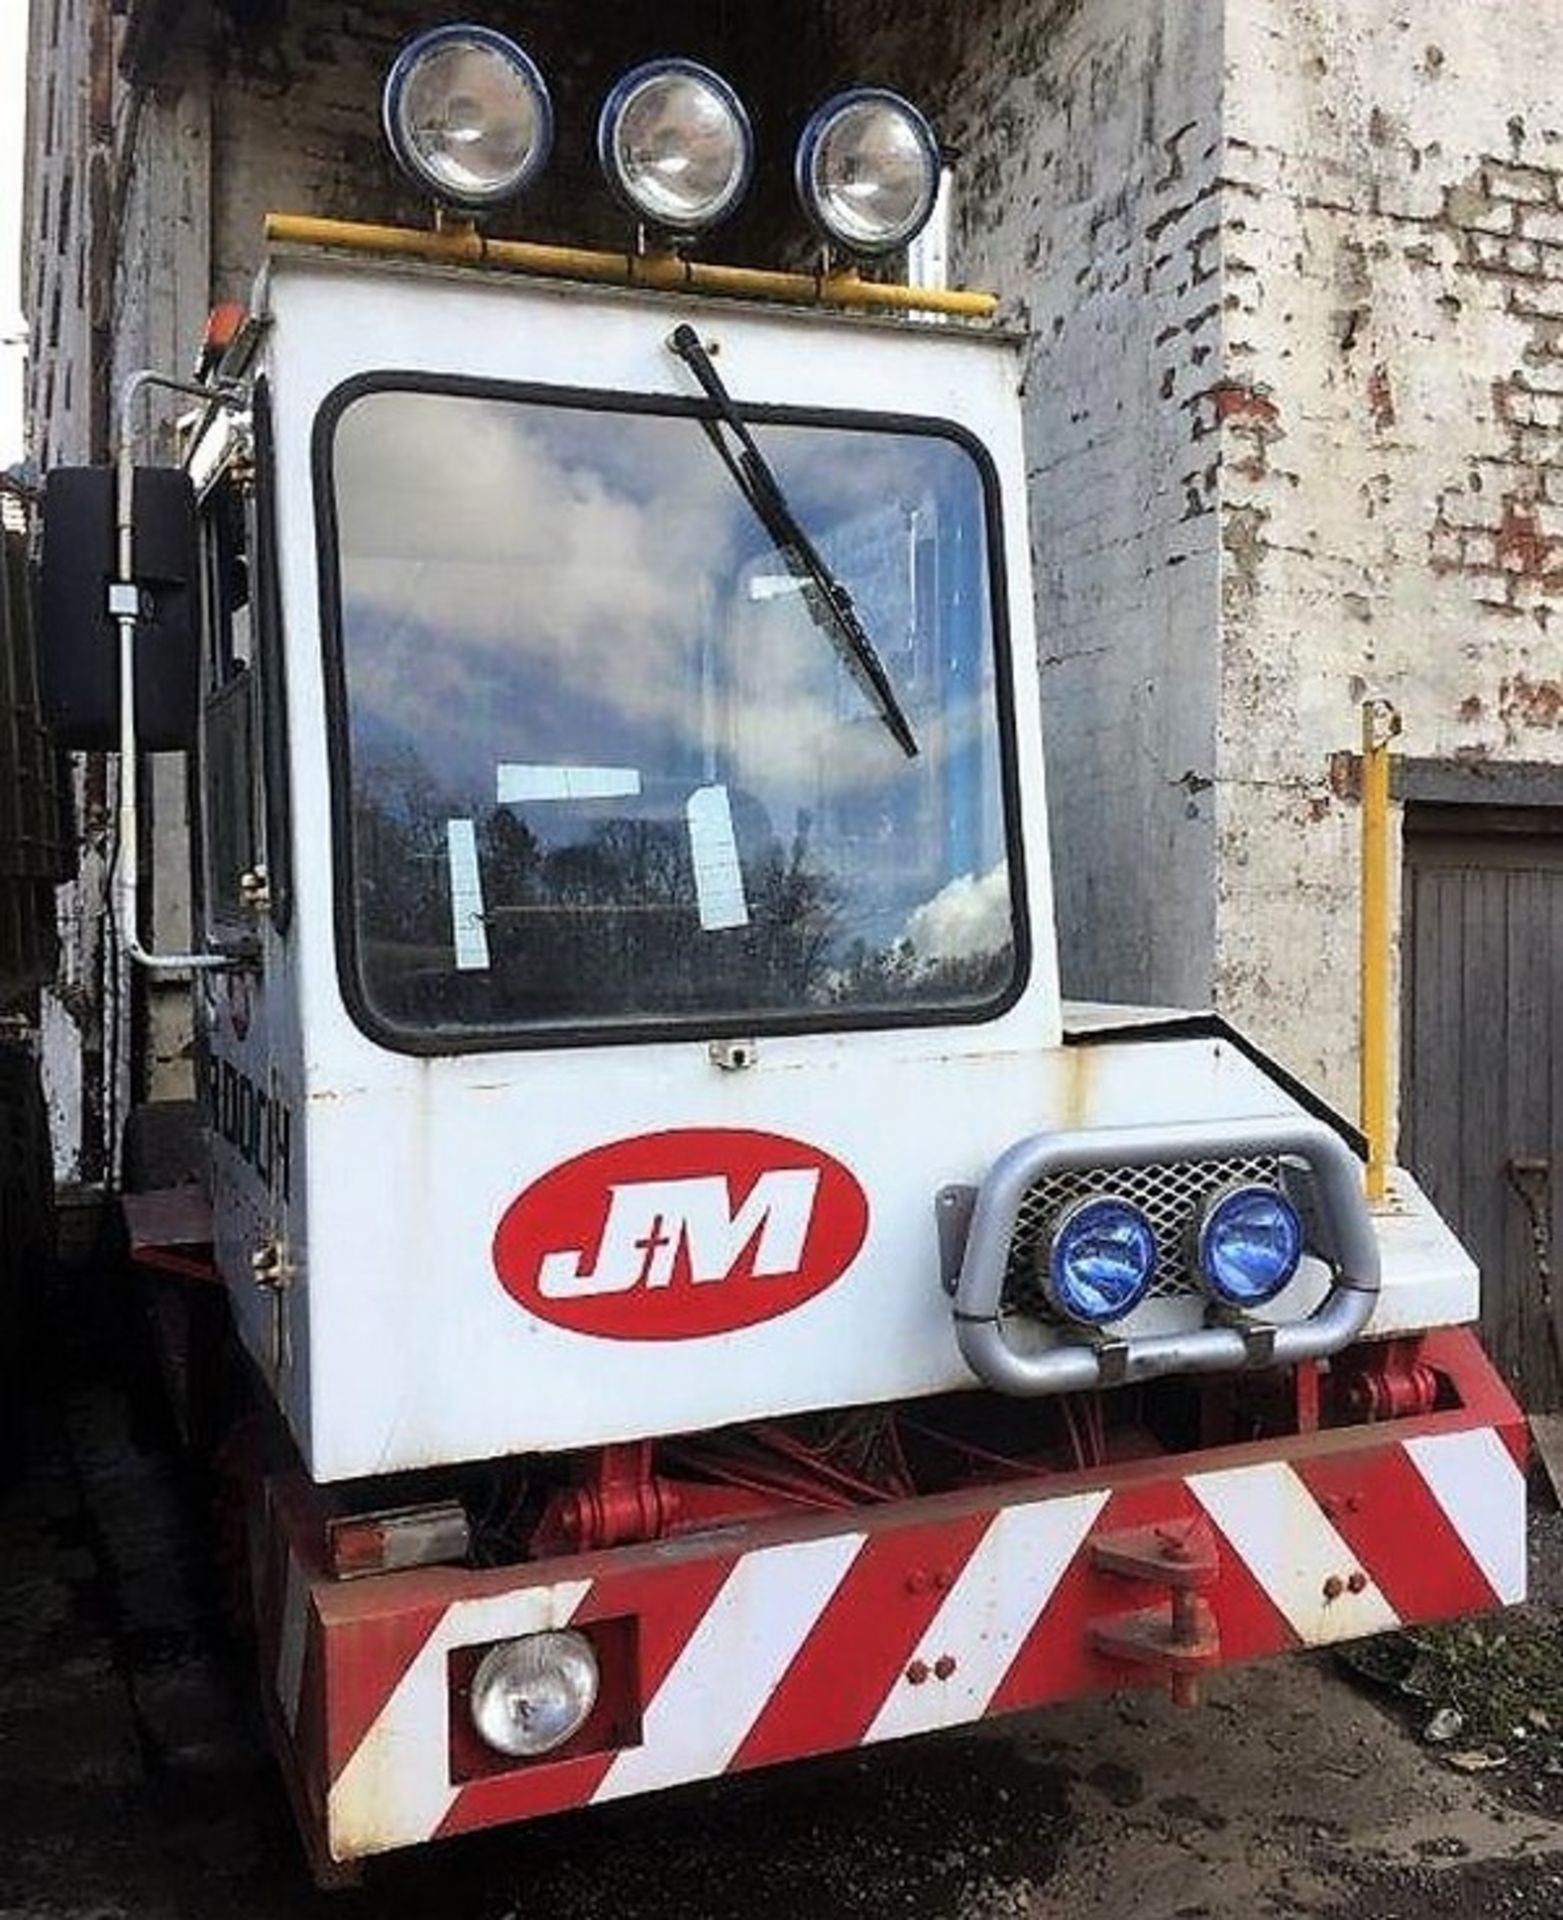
[828, 602]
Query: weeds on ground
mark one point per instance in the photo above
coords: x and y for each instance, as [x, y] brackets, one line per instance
[1485, 1690]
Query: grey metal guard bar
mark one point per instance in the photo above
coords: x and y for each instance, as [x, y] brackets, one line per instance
[980, 1327]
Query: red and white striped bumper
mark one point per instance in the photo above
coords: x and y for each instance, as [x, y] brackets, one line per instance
[769, 1642]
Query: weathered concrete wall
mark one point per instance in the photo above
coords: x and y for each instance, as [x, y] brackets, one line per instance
[64, 197]
[1088, 194]
[67, 121]
[160, 289]
[1392, 492]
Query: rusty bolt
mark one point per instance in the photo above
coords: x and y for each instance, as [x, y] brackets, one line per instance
[1354, 1503]
[1334, 1587]
[917, 1582]
[1174, 1544]
[943, 1579]
[1357, 1582]
[944, 1666]
[917, 1672]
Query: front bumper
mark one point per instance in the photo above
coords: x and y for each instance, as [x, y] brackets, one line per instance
[764, 1643]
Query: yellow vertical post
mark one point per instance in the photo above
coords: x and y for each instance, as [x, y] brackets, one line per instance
[1380, 724]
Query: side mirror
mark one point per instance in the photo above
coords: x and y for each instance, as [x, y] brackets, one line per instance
[78, 652]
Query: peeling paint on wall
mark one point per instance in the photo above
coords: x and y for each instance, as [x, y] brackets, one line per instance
[1401, 228]
[1089, 195]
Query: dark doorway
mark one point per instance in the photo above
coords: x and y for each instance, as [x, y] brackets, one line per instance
[1482, 1063]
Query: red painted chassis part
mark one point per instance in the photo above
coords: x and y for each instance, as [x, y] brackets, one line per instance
[1154, 1600]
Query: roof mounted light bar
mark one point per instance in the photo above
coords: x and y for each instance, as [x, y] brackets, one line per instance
[665, 272]
[468, 116]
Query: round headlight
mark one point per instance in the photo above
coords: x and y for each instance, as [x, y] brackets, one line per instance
[467, 115]
[1250, 1245]
[530, 1696]
[1099, 1260]
[676, 145]
[867, 170]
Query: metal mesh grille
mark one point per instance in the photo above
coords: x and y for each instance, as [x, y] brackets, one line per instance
[1169, 1195]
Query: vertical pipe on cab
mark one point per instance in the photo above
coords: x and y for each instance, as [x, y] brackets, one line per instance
[1380, 724]
[125, 610]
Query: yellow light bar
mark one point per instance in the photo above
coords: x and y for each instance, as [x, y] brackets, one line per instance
[463, 245]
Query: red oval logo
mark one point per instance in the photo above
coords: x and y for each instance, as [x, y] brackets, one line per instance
[680, 1235]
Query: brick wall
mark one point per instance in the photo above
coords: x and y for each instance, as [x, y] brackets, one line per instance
[1089, 195]
[65, 184]
[1293, 280]
[1392, 481]
[66, 192]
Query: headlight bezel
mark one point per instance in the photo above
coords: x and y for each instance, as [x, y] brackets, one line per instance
[620, 99]
[398, 79]
[1052, 1274]
[824, 120]
[1206, 1259]
[489, 1675]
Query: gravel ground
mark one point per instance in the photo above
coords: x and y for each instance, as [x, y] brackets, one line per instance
[133, 1783]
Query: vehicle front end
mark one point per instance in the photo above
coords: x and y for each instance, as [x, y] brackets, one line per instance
[720, 1303]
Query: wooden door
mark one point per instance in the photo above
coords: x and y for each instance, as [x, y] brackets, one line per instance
[1482, 1064]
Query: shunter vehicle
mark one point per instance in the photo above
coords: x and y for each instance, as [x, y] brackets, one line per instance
[709, 1300]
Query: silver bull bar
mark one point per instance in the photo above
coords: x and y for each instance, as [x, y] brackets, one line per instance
[1346, 1235]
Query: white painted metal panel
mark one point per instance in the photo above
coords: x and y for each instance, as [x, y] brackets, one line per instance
[406, 1349]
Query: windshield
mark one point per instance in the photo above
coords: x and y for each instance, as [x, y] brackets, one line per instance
[600, 765]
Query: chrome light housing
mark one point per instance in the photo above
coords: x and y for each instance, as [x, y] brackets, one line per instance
[867, 170]
[1249, 1244]
[531, 1695]
[676, 145]
[467, 115]
[1098, 1260]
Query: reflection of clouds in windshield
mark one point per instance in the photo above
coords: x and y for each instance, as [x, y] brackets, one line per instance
[546, 586]
[461, 525]
[555, 571]
[801, 726]
[969, 916]
[883, 467]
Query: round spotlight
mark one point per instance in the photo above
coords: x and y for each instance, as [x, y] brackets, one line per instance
[467, 115]
[676, 145]
[529, 1696]
[1099, 1260]
[1250, 1243]
[867, 170]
